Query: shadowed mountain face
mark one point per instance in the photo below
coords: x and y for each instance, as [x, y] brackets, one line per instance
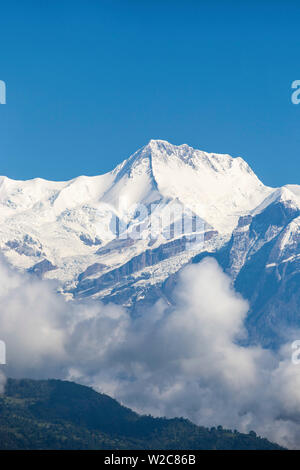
[263, 259]
[56, 414]
[70, 232]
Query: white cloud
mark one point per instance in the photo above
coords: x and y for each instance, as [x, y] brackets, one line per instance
[183, 360]
[32, 322]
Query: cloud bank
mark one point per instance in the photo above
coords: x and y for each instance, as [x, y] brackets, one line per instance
[180, 360]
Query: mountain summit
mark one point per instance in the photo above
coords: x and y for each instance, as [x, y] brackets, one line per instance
[217, 187]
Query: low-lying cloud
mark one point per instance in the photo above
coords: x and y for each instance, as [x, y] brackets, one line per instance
[180, 360]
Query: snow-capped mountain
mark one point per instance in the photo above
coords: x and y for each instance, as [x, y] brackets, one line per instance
[71, 224]
[94, 235]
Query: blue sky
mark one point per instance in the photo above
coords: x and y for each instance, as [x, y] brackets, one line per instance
[91, 81]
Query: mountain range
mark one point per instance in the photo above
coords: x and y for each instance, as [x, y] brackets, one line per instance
[124, 236]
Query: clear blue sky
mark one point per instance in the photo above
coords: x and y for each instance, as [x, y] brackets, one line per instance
[91, 81]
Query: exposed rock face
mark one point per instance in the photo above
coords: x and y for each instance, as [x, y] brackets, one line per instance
[95, 268]
[41, 268]
[122, 275]
[26, 246]
[89, 241]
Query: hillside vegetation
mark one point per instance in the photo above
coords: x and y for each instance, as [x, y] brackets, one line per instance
[54, 414]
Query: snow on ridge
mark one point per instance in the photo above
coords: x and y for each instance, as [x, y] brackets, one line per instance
[283, 194]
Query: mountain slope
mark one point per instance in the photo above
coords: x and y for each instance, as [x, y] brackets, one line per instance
[63, 415]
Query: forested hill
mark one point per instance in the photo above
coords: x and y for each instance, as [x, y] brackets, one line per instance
[54, 414]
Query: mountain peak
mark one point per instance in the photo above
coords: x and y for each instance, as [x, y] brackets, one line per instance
[159, 145]
[215, 186]
[217, 161]
[155, 142]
